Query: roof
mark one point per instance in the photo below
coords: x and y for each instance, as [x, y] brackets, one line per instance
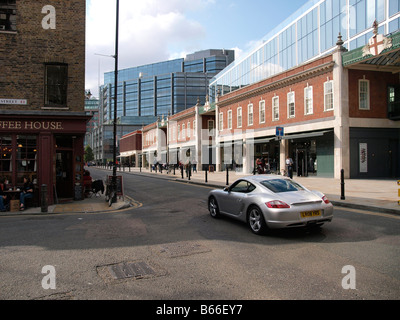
[387, 61]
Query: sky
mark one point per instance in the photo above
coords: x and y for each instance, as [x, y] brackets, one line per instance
[152, 31]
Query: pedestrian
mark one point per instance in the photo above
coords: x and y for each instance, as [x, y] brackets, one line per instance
[194, 165]
[289, 165]
[3, 197]
[26, 193]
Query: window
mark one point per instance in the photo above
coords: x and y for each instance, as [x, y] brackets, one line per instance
[242, 187]
[183, 132]
[363, 89]
[239, 117]
[262, 111]
[290, 104]
[188, 130]
[169, 134]
[221, 121]
[328, 95]
[308, 100]
[26, 157]
[179, 132]
[230, 119]
[6, 158]
[275, 108]
[194, 128]
[250, 114]
[281, 185]
[8, 15]
[210, 127]
[56, 81]
[174, 133]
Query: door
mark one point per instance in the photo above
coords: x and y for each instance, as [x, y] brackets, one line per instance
[64, 174]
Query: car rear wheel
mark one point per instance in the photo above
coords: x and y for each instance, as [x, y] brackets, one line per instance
[213, 207]
[256, 221]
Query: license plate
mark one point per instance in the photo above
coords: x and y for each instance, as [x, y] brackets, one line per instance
[310, 214]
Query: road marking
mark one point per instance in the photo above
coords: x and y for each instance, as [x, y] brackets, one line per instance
[371, 213]
[194, 184]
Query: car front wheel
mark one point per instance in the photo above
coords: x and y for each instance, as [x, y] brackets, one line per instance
[256, 221]
[213, 207]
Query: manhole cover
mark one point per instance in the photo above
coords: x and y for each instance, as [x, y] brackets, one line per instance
[133, 270]
[180, 249]
[130, 270]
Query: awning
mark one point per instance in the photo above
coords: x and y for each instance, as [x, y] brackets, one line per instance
[127, 153]
[306, 135]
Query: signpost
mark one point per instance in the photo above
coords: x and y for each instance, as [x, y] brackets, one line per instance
[280, 132]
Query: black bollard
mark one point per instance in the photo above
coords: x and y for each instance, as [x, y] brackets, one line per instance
[44, 203]
[206, 175]
[342, 197]
[227, 175]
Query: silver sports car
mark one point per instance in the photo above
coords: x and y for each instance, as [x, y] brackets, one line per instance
[270, 201]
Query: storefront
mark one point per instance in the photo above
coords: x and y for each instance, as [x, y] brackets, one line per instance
[45, 147]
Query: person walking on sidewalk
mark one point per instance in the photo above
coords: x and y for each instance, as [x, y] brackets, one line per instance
[289, 165]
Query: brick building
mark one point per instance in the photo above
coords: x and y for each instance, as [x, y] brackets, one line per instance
[42, 74]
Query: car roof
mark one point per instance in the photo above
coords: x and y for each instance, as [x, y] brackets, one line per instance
[263, 177]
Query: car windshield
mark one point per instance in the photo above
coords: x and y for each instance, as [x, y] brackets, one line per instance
[281, 185]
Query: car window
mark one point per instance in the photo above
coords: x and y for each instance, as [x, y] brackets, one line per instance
[242, 186]
[281, 185]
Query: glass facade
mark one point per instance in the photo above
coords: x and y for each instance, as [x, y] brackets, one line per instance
[163, 88]
[310, 32]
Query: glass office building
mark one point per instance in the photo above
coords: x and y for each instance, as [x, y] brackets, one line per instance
[310, 32]
[158, 89]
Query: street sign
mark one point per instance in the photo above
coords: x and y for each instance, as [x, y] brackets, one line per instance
[279, 131]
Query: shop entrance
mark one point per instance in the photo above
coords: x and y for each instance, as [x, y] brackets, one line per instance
[64, 174]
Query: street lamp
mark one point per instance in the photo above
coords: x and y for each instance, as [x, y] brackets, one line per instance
[114, 177]
[115, 56]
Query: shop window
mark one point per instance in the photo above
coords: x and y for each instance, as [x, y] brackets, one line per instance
[56, 80]
[394, 102]
[8, 15]
[363, 92]
[26, 158]
[290, 104]
[328, 95]
[6, 158]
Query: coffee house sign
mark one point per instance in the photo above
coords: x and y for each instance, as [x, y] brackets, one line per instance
[31, 125]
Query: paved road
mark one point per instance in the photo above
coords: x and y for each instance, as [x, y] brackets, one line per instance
[185, 254]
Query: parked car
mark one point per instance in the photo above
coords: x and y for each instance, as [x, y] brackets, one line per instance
[270, 201]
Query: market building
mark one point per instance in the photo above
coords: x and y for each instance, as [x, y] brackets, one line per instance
[42, 74]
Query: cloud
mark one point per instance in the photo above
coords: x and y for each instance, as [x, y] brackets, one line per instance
[149, 31]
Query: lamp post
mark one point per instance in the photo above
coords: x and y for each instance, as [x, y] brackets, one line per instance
[114, 177]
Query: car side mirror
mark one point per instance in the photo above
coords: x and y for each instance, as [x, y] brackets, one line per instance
[226, 189]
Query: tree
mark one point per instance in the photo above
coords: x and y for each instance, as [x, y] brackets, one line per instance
[88, 154]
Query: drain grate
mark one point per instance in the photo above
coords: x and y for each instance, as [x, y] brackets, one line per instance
[181, 249]
[130, 270]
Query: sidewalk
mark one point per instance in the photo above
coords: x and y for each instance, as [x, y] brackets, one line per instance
[376, 195]
[88, 205]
